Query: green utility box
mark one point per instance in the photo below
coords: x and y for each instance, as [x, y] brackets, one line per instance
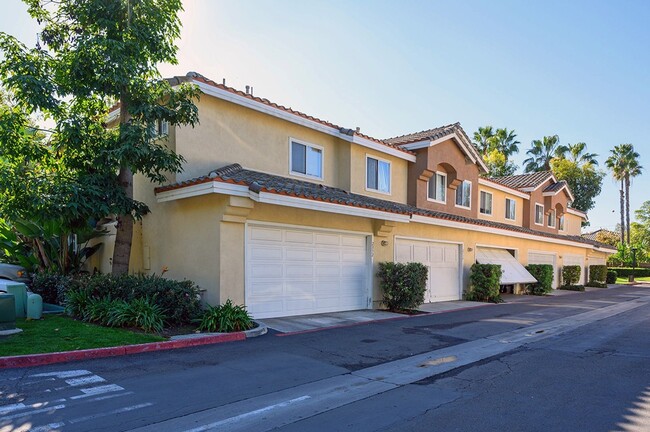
[7, 312]
[19, 290]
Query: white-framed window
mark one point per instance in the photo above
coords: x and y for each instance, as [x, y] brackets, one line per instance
[306, 159]
[539, 214]
[551, 219]
[160, 129]
[486, 203]
[561, 227]
[438, 188]
[464, 194]
[377, 175]
[511, 209]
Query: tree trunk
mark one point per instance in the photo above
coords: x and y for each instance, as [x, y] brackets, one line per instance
[627, 207]
[622, 213]
[124, 235]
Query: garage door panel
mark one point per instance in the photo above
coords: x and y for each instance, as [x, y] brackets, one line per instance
[436, 255]
[451, 255]
[402, 252]
[545, 258]
[318, 272]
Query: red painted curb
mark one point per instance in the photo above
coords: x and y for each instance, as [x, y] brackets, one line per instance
[66, 356]
[299, 332]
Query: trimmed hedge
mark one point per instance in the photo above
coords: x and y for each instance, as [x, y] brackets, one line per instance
[51, 287]
[484, 283]
[544, 275]
[403, 285]
[573, 287]
[595, 284]
[611, 276]
[624, 272]
[597, 273]
[571, 274]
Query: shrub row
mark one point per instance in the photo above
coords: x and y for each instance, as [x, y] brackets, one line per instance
[544, 275]
[597, 273]
[627, 271]
[571, 274]
[484, 283]
[403, 285]
[573, 287]
[178, 301]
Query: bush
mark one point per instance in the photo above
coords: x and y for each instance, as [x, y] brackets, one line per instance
[226, 318]
[544, 275]
[484, 283]
[624, 272]
[51, 287]
[572, 287]
[140, 313]
[403, 285]
[571, 274]
[597, 273]
[595, 284]
[179, 301]
[611, 276]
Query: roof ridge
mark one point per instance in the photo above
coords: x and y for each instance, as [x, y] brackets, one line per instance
[225, 170]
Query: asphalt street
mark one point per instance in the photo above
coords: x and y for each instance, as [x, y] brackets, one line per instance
[572, 363]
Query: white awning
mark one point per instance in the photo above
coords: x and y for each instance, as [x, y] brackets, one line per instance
[513, 271]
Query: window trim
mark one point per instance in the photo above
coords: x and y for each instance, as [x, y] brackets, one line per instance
[505, 213]
[562, 223]
[491, 202]
[554, 213]
[535, 215]
[470, 196]
[443, 174]
[306, 144]
[390, 175]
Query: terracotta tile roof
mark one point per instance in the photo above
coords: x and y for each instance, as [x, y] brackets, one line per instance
[556, 187]
[346, 131]
[593, 235]
[429, 135]
[523, 181]
[262, 182]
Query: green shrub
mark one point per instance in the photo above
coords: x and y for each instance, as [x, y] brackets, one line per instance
[571, 274]
[624, 272]
[595, 284]
[597, 273]
[572, 287]
[141, 313]
[611, 276]
[144, 313]
[77, 300]
[51, 287]
[544, 275]
[484, 282]
[403, 285]
[179, 301]
[226, 318]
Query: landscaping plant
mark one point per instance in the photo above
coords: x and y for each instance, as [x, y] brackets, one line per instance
[403, 285]
[484, 282]
[597, 276]
[226, 318]
[611, 276]
[544, 275]
[571, 277]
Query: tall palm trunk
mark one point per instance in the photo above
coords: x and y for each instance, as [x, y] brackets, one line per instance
[124, 235]
[627, 207]
[622, 212]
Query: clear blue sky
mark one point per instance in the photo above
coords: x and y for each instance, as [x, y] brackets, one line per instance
[579, 69]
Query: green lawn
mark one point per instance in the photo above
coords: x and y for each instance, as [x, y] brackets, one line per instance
[637, 279]
[61, 333]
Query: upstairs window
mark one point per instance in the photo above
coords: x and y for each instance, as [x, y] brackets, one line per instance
[561, 227]
[377, 175]
[551, 219]
[539, 214]
[464, 194]
[510, 209]
[486, 203]
[438, 188]
[306, 160]
[160, 129]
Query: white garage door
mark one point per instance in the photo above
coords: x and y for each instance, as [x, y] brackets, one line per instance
[299, 271]
[443, 262]
[576, 260]
[545, 258]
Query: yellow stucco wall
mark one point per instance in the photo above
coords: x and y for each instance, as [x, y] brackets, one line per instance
[499, 206]
[398, 174]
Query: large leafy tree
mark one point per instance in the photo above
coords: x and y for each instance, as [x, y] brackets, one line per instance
[573, 164]
[623, 162]
[497, 147]
[91, 54]
[541, 153]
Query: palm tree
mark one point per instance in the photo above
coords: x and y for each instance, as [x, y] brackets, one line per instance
[483, 139]
[624, 165]
[541, 153]
[576, 154]
[506, 142]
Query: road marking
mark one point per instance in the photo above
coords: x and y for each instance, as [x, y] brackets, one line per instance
[48, 427]
[63, 374]
[6, 409]
[249, 414]
[85, 380]
[32, 412]
[111, 396]
[115, 411]
[94, 391]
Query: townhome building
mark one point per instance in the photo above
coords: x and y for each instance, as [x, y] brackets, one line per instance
[289, 214]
